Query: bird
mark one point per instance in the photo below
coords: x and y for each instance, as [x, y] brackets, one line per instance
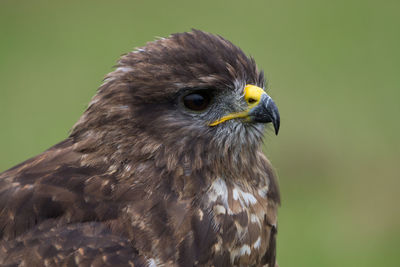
[164, 168]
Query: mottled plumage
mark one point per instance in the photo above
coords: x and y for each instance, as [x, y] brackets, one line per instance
[145, 180]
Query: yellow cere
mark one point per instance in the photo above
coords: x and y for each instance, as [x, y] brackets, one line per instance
[252, 95]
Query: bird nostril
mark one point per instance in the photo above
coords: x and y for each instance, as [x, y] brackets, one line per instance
[251, 101]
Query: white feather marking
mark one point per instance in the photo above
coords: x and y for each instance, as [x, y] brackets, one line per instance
[235, 194]
[245, 249]
[254, 219]
[128, 167]
[262, 192]
[246, 199]
[238, 252]
[201, 214]
[218, 209]
[257, 243]
[124, 69]
[151, 263]
[219, 190]
[249, 198]
[107, 80]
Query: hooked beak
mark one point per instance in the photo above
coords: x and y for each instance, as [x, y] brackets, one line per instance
[261, 108]
[266, 111]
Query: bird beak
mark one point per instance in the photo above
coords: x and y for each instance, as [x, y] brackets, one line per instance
[261, 108]
[266, 111]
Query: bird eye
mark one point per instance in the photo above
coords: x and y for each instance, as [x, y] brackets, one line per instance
[197, 101]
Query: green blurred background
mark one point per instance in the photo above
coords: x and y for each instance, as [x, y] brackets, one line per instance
[334, 72]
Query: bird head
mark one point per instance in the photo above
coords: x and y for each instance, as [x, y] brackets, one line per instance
[188, 92]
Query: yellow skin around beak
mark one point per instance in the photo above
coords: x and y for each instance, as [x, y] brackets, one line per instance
[252, 95]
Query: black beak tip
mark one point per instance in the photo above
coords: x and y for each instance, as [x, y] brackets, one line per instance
[276, 125]
[274, 116]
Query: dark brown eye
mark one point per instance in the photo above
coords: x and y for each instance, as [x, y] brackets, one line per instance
[197, 101]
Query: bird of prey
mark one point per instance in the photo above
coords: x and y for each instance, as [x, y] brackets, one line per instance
[164, 168]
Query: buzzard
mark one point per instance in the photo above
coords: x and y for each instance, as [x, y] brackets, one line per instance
[164, 168]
